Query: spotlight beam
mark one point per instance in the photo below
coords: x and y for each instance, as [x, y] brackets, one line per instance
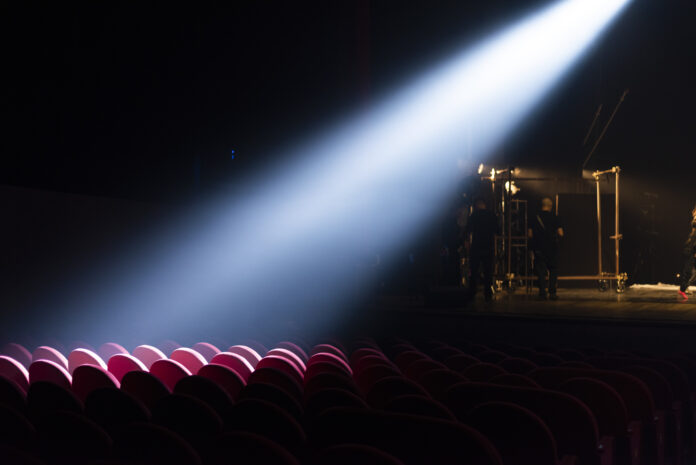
[288, 240]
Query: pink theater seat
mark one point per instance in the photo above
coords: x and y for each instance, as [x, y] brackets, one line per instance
[80, 357]
[192, 360]
[236, 362]
[292, 347]
[49, 353]
[81, 345]
[225, 377]
[290, 357]
[87, 378]
[109, 349]
[330, 349]
[256, 346]
[168, 346]
[47, 370]
[207, 350]
[14, 371]
[148, 354]
[326, 357]
[248, 353]
[17, 352]
[282, 364]
[169, 372]
[120, 364]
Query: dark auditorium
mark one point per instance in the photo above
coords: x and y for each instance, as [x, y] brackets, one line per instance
[348, 232]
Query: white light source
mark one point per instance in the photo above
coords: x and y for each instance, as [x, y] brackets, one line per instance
[287, 240]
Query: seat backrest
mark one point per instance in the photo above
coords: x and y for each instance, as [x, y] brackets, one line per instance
[326, 357]
[82, 356]
[49, 353]
[412, 439]
[606, 404]
[437, 382]
[326, 399]
[169, 372]
[572, 423]
[150, 443]
[290, 356]
[17, 352]
[244, 447]
[225, 377]
[206, 349]
[236, 362]
[208, 391]
[419, 367]
[120, 364]
[518, 434]
[277, 378]
[460, 362]
[328, 380]
[281, 364]
[404, 359]
[192, 418]
[14, 371]
[510, 379]
[189, 359]
[270, 421]
[292, 347]
[88, 378]
[443, 353]
[351, 454]
[328, 349]
[148, 354]
[491, 356]
[366, 378]
[635, 394]
[482, 371]
[44, 397]
[112, 409]
[52, 372]
[413, 404]
[390, 387]
[69, 437]
[145, 387]
[517, 365]
[276, 396]
[109, 349]
[12, 395]
[249, 354]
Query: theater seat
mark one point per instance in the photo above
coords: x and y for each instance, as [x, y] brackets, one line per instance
[71, 438]
[148, 355]
[189, 359]
[12, 395]
[145, 387]
[153, 444]
[350, 454]
[14, 371]
[82, 356]
[49, 353]
[276, 396]
[17, 352]
[49, 371]
[120, 364]
[113, 409]
[192, 418]
[206, 349]
[388, 388]
[169, 372]
[225, 377]
[44, 397]
[249, 354]
[520, 436]
[236, 362]
[247, 448]
[208, 391]
[88, 378]
[277, 378]
[109, 349]
[419, 405]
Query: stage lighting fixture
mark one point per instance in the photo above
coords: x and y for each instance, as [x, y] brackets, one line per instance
[481, 168]
[283, 247]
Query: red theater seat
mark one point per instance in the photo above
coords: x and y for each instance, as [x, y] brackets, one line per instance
[17, 352]
[419, 367]
[350, 454]
[326, 357]
[290, 357]
[115, 409]
[145, 387]
[437, 382]
[207, 350]
[13, 370]
[419, 405]
[248, 448]
[49, 353]
[406, 358]
[80, 357]
[281, 364]
[109, 349]
[482, 371]
[390, 387]
[46, 370]
[169, 372]
[236, 362]
[270, 421]
[278, 378]
[460, 362]
[225, 377]
[328, 349]
[120, 364]
[45, 397]
[15, 431]
[320, 401]
[188, 416]
[68, 437]
[88, 378]
[328, 380]
[189, 358]
[168, 346]
[208, 391]
[147, 443]
[256, 346]
[364, 352]
[247, 353]
[294, 348]
[317, 368]
[518, 434]
[148, 355]
[12, 395]
[276, 396]
[367, 378]
[516, 365]
[511, 379]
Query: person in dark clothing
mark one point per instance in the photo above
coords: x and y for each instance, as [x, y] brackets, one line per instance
[545, 231]
[479, 235]
[688, 274]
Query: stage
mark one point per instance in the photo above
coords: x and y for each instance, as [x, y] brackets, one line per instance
[642, 317]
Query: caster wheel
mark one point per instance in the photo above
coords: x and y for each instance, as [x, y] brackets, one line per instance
[603, 285]
[620, 286]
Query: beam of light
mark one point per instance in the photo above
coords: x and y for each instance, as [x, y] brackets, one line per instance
[284, 246]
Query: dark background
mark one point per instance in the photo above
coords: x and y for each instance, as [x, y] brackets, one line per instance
[115, 112]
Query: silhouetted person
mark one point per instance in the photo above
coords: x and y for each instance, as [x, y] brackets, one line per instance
[479, 237]
[688, 273]
[545, 231]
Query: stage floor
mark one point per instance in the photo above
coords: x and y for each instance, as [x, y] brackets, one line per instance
[655, 303]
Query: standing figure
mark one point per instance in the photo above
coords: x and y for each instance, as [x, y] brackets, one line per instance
[479, 236]
[545, 233]
[688, 274]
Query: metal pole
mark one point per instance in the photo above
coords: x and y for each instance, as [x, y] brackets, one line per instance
[599, 226]
[617, 236]
[509, 223]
